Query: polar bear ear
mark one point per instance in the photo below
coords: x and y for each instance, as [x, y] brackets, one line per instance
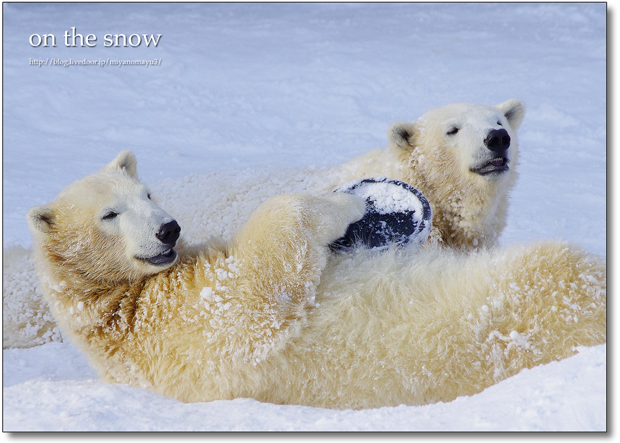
[125, 161]
[401, 134]
[514, 110]
[41, 218]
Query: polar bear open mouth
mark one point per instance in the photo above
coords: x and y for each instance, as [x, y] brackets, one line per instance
[498, 165]
[165, 258]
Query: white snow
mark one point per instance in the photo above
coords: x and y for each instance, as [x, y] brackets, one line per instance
[260, 90]
[387, 197]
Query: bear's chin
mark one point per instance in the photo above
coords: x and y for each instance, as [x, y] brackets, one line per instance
[163, 260]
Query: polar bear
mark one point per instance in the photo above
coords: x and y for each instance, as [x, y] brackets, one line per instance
[275, 316]
[461, 156]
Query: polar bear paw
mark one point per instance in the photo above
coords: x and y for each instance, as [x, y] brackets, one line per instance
[329, 216]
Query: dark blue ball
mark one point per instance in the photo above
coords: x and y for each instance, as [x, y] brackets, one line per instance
[392, 217]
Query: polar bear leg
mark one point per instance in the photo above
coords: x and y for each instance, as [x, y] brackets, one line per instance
[291, 232]
[283, 246]
[300, 218]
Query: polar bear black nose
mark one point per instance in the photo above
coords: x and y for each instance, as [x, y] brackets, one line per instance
[497, 140]
[169, 232]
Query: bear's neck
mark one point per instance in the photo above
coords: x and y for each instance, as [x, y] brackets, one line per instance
[96, 308]
[466, 213]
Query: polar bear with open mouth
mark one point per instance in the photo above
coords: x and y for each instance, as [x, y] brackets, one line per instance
[274, 315]
[462, 157]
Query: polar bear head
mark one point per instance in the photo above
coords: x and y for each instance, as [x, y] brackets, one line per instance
[462, 157]
[470, 140]
[106, 226]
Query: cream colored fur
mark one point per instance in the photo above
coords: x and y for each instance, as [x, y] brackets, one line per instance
[469, 211]
[274, 316]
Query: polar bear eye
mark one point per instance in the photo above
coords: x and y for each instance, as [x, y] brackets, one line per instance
[453, 131]
[499, 123]
[148, 196]
[110, 215]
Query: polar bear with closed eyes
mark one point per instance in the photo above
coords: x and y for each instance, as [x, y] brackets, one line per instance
[461, 156]
[274, 315]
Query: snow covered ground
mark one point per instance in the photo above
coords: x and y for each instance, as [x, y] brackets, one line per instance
[249, 87]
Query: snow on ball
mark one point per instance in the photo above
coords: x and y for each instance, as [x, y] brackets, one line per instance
[396, 214]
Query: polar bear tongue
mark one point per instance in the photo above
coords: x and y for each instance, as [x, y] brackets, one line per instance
[499, 164]
[166, 257]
